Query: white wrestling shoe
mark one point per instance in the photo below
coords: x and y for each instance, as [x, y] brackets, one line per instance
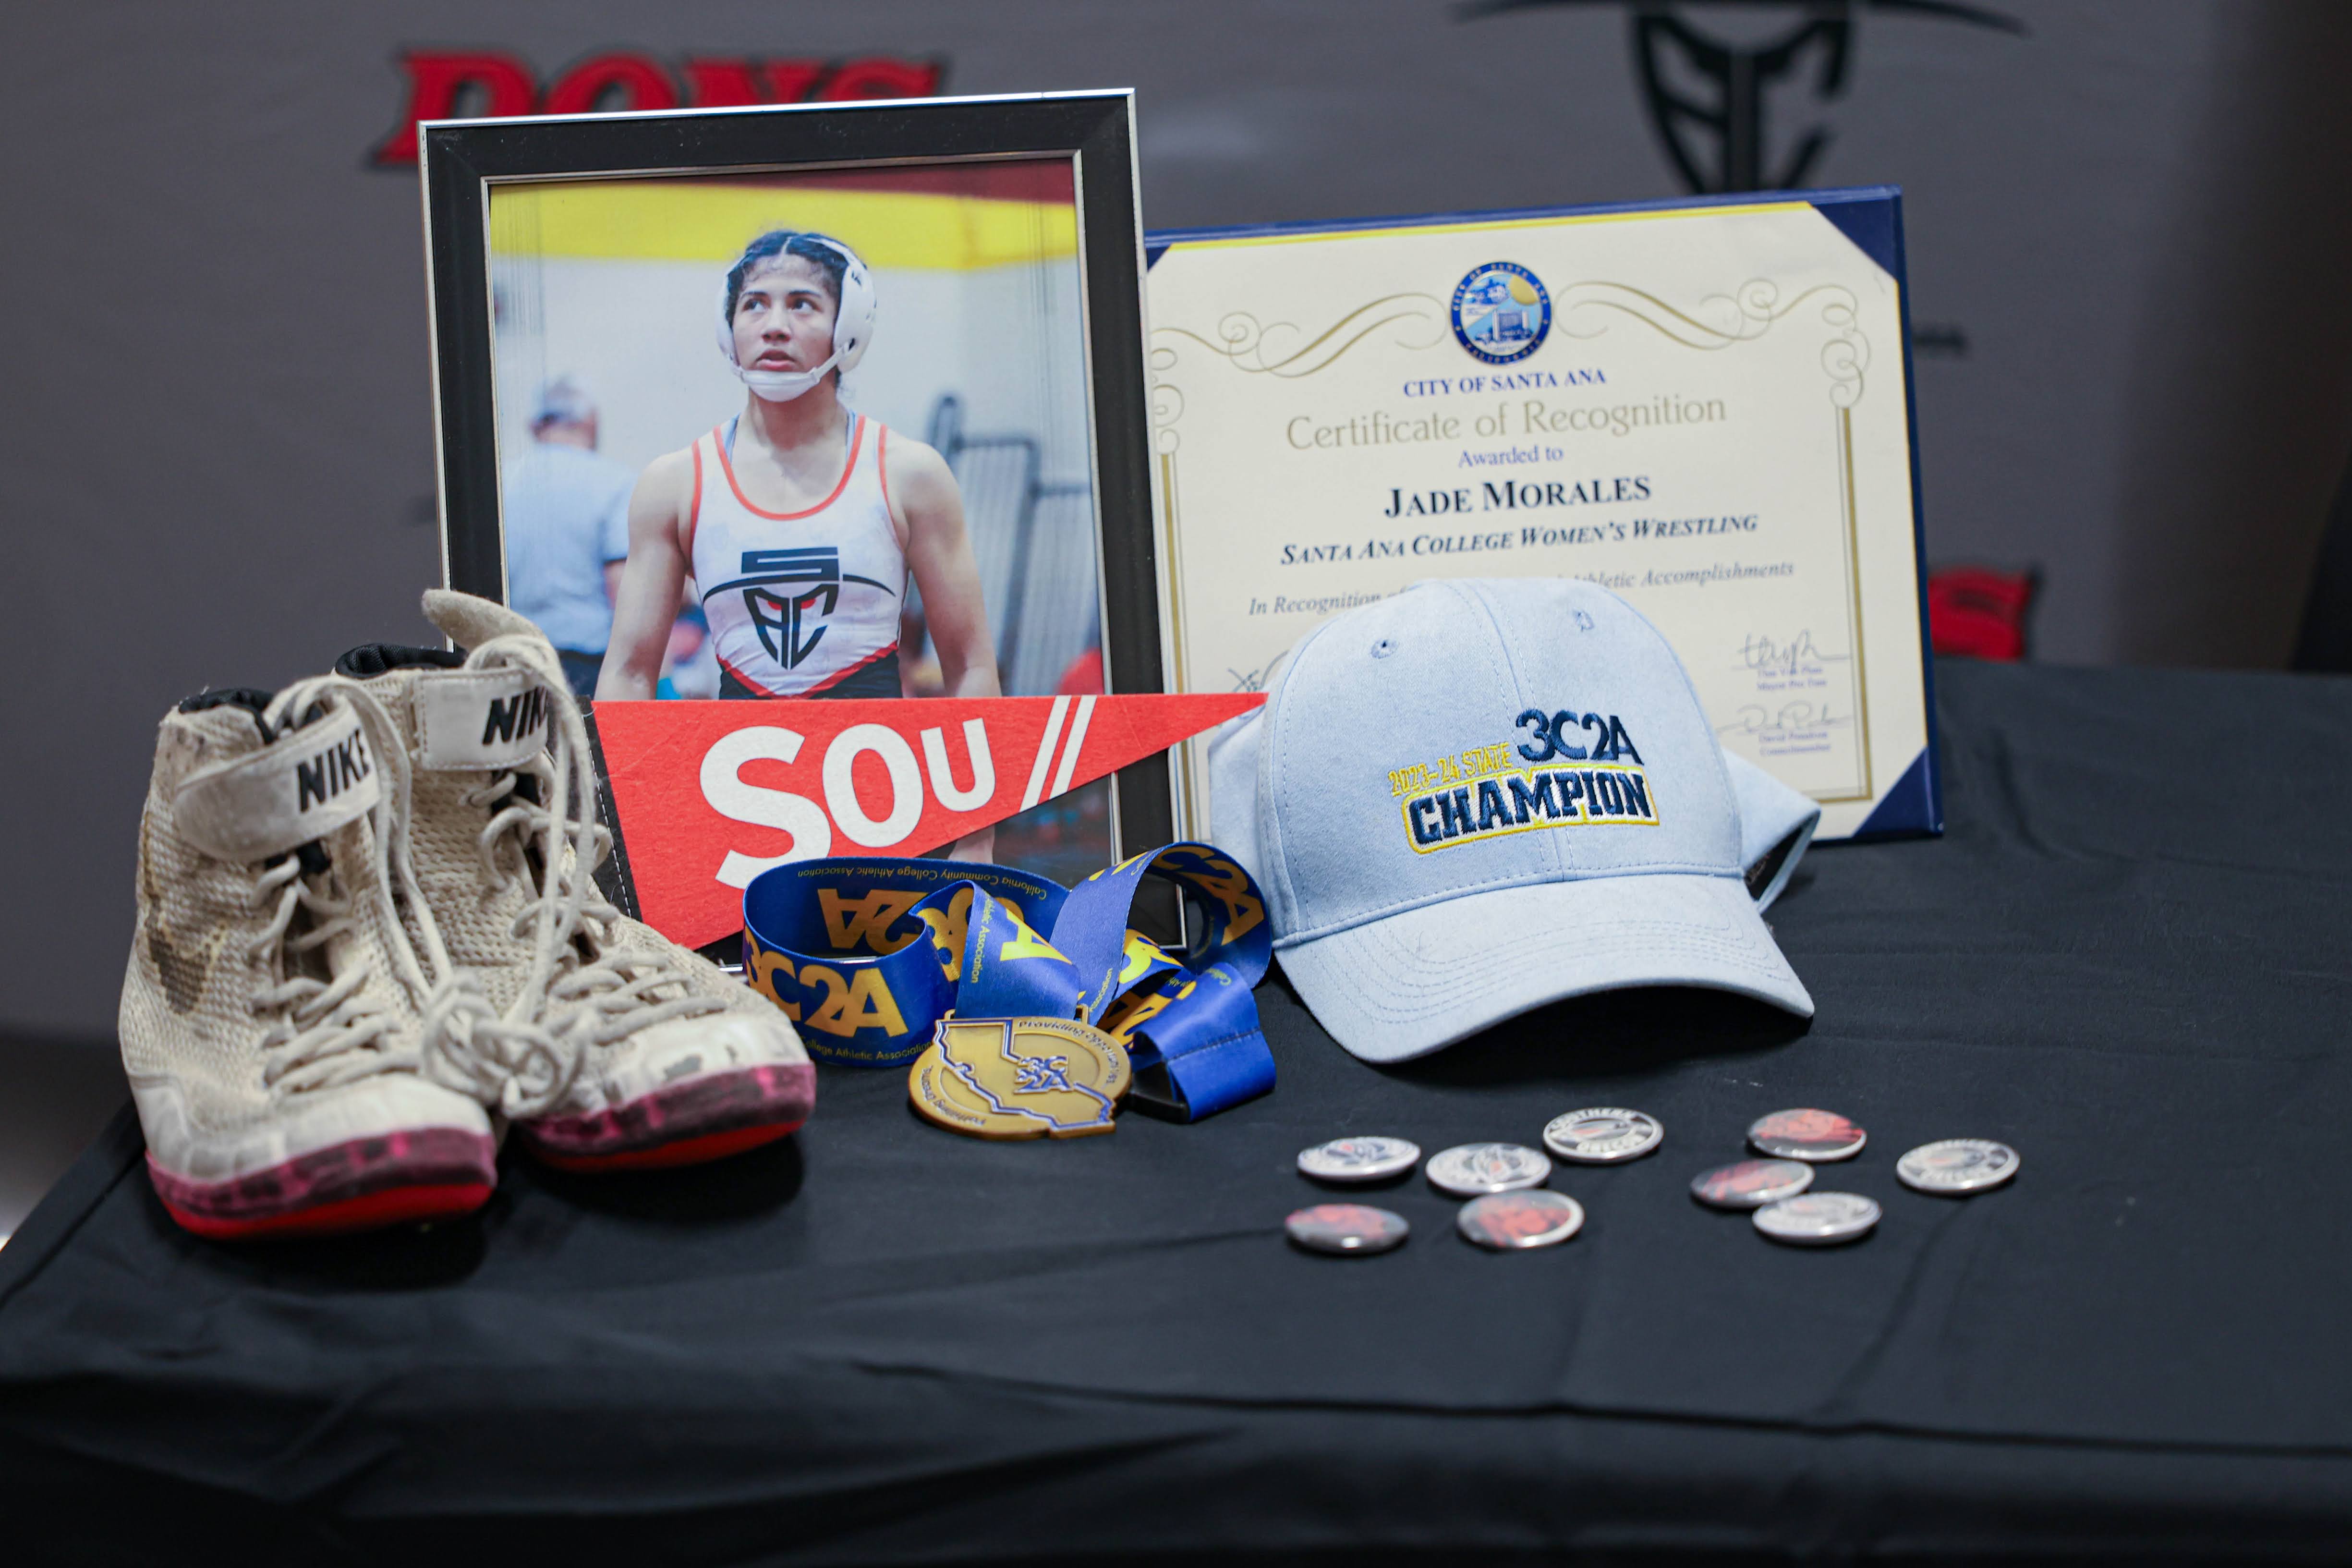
[275, 1016]
[677, 1061]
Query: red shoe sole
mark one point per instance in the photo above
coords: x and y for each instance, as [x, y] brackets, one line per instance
[373, 1210]
[432, 1173]
[685, 1152]
[682, 1124]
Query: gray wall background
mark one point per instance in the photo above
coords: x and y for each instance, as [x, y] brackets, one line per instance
[216, 451]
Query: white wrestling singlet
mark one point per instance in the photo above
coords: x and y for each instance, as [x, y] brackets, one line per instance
[801, 604]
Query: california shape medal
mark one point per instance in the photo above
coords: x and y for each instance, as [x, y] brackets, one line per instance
[1020, 1078]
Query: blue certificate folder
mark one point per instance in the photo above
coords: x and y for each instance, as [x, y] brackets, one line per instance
[1871, 218]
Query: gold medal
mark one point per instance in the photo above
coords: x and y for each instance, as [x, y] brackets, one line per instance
[1019, 1078]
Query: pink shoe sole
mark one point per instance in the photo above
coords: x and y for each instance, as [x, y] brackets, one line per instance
[681, 1124]
[433, 1172]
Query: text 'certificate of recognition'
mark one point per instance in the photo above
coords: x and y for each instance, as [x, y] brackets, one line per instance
[1704, 409]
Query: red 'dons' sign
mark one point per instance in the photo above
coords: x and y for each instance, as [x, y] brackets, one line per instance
[491, 84]
[710, 794]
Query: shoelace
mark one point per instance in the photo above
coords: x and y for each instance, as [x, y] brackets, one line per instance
[328, 1032]
[582, 984]
[517, 1068]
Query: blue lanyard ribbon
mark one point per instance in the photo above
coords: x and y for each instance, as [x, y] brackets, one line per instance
[867, 955]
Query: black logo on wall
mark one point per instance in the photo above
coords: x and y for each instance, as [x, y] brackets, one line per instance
[1719, 104]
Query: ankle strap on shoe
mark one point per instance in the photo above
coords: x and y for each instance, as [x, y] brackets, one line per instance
[480, 718]
[301, 787]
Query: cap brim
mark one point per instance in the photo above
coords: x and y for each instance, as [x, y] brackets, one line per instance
[1399, 987]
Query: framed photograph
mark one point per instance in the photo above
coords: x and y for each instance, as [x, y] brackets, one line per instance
[811, 402]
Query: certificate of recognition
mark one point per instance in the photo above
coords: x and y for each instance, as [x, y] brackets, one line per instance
[1704, 407]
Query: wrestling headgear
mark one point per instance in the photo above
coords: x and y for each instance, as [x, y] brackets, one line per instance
[852, 326]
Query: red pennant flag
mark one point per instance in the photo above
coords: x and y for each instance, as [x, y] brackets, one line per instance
[710, 794]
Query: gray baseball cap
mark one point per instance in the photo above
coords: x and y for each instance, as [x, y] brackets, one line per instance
[1477, 798]
[565, 400]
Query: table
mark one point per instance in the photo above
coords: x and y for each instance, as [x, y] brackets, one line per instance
[2130, 957]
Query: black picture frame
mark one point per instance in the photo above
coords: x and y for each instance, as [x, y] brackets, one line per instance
[462, 161]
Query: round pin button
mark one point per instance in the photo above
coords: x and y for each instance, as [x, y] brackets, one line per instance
[1355, 1160]
[1818, 1219]
[1956, 1167]
[1603, 1135]
[1516, 1221]
[1473, 1170]
[1346, 1230]
[1752, 1184]
[1815, 1136]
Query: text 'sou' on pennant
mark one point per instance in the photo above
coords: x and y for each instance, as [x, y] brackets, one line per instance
[710, 794]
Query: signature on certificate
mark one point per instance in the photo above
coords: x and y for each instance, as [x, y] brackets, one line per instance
[1768, 723]
[1761, 654]
[1250, 679]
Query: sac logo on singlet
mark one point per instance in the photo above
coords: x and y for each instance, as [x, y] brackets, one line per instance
[1572, 770]
[789, 594]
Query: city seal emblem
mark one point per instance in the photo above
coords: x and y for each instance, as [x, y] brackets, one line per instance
[1019, 1078]
[1501, 313]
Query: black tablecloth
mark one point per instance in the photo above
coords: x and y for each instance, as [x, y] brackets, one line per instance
[2131, 957]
